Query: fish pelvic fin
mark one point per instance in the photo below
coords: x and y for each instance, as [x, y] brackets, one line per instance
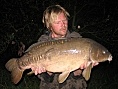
[86, 73]
[63, 76]
[16, 72]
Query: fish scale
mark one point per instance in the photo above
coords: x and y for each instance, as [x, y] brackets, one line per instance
[60, 55]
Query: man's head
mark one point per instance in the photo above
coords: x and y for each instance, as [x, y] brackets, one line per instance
[55, 18]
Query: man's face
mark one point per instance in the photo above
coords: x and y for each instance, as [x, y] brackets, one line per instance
[59, 26]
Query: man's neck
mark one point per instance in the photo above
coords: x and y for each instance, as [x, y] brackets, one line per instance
[57, 36]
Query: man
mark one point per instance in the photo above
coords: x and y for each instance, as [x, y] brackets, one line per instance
[55, 18]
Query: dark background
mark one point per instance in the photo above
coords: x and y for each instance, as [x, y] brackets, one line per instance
[21, 21]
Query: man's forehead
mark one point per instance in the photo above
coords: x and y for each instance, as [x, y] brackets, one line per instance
[60, 17]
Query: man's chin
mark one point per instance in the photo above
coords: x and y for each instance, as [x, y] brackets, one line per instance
[63, 34]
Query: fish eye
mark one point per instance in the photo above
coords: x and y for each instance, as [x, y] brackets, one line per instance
[103, 52]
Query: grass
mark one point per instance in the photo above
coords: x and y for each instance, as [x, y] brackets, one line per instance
[103, 76]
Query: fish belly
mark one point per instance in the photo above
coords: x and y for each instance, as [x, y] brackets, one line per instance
[65, 63]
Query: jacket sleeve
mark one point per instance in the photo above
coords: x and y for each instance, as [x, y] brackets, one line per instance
[43, 38]
[75, 34]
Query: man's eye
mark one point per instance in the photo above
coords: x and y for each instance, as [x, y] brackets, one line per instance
[57, 22]
[64, 21]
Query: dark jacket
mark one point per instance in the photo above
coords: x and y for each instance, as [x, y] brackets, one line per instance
[50, 82]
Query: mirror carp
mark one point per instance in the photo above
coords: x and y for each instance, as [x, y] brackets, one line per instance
[59, 56]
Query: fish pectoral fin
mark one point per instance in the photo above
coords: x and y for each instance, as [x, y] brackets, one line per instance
[16, 75]
[63, 76]
[86, 73]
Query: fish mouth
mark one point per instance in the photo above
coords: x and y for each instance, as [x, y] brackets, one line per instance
[110, 58]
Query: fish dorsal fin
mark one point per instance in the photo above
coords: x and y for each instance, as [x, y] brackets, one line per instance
[63, 76]
[86, 73]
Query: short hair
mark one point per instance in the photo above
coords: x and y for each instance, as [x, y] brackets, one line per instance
[50, 14]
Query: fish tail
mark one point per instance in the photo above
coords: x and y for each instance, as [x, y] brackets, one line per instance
[16, 72]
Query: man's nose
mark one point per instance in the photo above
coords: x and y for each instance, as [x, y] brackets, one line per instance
[62, 23]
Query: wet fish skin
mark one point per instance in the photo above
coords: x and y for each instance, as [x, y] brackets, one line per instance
[62, 55]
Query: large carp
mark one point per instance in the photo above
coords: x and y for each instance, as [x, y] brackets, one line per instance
[62, 55]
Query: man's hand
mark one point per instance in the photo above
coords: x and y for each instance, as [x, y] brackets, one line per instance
[83, 66]
[86, 64]
[38, 70]
[77, 72]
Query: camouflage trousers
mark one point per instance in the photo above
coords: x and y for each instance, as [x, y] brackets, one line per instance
[71, 83]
